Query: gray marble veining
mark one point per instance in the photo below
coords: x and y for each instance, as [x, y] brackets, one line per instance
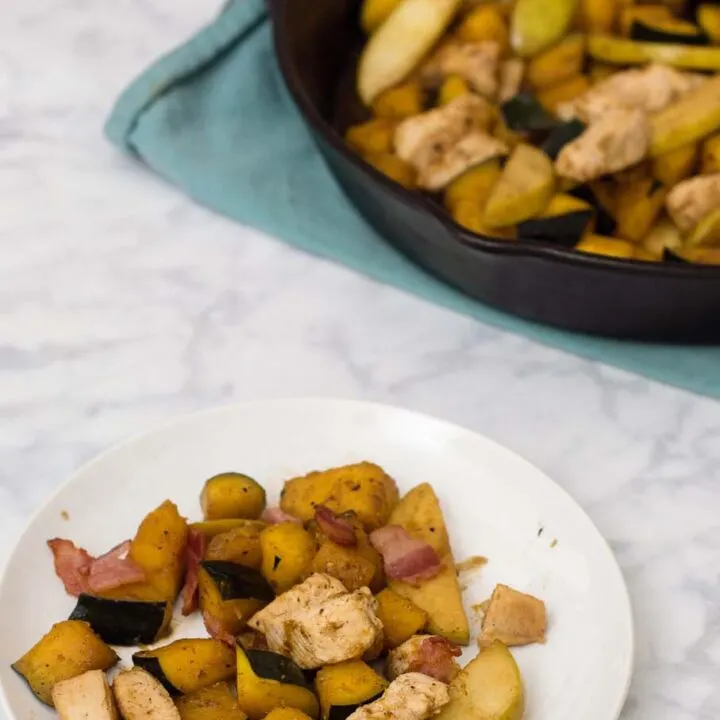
[122, 304]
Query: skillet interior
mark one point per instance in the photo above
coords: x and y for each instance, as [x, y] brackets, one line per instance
[318, 45]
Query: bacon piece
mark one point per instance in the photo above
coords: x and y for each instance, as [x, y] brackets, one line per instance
[72, 565]
[216, 630]
[114, 569]
[275, 516]
[435, 658]
[405, 557]
[194, 553]
[337, 529]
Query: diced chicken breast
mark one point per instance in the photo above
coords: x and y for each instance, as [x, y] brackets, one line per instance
[477, 62]
[430, 655]
[514, 618]
[691, 200]
[141, 697]
[651, 89]
[271, 620]
[442, 143]
[412, 696]
[511, 77]
[85, 697]
[319, 623]
[621, 138]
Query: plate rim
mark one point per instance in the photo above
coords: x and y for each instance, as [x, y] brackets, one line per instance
[247, 405]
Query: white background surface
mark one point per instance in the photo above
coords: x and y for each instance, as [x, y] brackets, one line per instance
[122, 304]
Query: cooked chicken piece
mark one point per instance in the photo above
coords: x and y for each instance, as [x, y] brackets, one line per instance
[514, 618]
[442, 143]
[319, 623]
[410, 697]
[430, 655]
[511, 77]
[477, 62]
[691, 200]
[651, 89]
[85, 697]
[615, 142]
[271, 620]
[141, 697]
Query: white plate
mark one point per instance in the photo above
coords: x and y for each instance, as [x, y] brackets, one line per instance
[496, 504]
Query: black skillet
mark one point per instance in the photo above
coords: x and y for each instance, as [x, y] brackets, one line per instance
[317, 43]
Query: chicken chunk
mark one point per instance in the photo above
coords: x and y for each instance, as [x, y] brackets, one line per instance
[510, 79]
[85, 697]
[319, 623]
[615, 142]
[514, 618]
[476, 62]
[141, 697]
[412, 696]
[430, 655]
[650, 89]
[442, 143]
[691, 200]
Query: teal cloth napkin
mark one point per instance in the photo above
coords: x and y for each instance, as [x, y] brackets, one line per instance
[214, 118]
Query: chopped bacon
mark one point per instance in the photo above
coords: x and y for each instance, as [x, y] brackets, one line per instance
[72, 565]
[114, 569]
[435, 658]
[337, 529]
[405, 557]
[194, 553]
[275, 516]
[216, 630]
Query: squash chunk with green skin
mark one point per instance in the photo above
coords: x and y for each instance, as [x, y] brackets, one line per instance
[346, 686]
[70, 649]
[216, 702]
[523, 190]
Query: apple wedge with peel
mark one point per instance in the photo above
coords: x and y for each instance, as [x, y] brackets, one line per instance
[401, 42]
[488, 688]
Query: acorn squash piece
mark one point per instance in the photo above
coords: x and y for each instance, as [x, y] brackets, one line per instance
[468, 214]
[452, 88]
[538, 24]
[70, 649]
[598, 196]
[401, 101]
[648, 13]
[710, 162]
[523, 190]
[524, 113]
[401, 618]
[185, 666]
[345, 687]
[232, 495]
[622, 51]
[440, 597]
[266, 680]
[372, 137]
[400, 43]
[394, 168]
[287, 552]
[664, 235]
[558, 63]
[693, 117]
[216, 702]
[484, 23]
[212, 528]
[676, 31]
[607, 246]
[598, 16]
[552, 97]
[240, 545]
[231, 594]
[563, 222]
[473, 185]
[637, 208]
[706, 232]
[124, 622]
[708, 17]
[676, 165]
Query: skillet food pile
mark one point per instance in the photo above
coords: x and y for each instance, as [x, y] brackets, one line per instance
[591, 124]
[342, 602]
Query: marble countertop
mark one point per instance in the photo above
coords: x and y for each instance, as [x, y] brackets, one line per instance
[123, 304]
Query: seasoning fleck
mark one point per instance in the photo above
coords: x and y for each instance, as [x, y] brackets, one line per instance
[472, 563]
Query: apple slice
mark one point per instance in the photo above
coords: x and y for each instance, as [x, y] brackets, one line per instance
[401, 42]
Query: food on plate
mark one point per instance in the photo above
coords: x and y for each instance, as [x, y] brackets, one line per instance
[185, 666]
[216, 702]
[298, 599]
[495, 109]
[141, 697]
[268, 680]
[514, 618]
[85, 696]
[488, 687]
[70, 649]
[346, 686]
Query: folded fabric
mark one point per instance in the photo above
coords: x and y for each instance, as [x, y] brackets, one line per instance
[214, 118]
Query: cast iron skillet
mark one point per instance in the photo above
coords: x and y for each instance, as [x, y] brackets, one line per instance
[317, 43]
